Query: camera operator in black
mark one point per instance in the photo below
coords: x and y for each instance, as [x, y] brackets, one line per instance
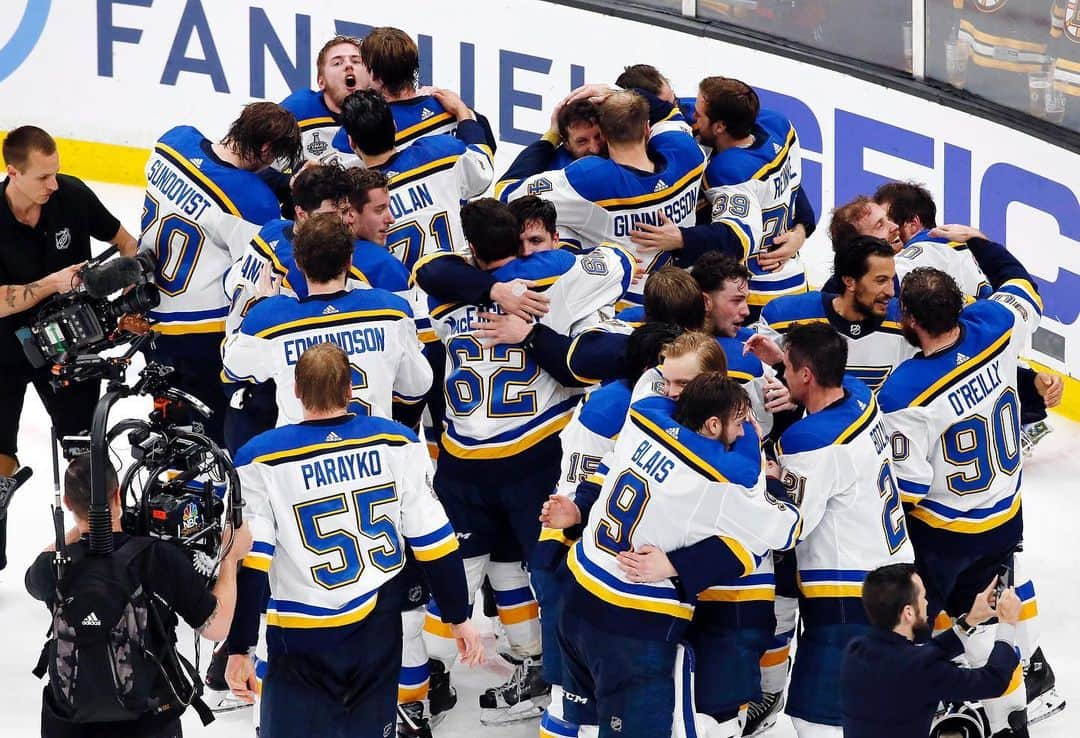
[46, 222]
[164, 570]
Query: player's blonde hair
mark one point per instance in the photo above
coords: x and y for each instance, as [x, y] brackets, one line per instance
[711, 357]
[324, 378]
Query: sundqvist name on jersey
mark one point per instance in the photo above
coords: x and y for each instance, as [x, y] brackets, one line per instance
[352, 341]
[178, 189]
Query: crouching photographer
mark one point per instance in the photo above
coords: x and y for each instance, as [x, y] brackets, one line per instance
[111, 658]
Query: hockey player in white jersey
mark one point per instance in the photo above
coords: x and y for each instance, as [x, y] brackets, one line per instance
[332, 502]
[372, 326]
[586, 439]
[953, 416]
[679, 474]
[911, 240]
[203, 205]
[391, 60]
[866, 314]
[601, 200]
[753, 177]
[836, 466]
[499, 455]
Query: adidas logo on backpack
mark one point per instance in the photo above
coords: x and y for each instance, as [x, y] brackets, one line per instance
[91, 619]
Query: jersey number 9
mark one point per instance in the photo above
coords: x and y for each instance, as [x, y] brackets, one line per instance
[624, 509]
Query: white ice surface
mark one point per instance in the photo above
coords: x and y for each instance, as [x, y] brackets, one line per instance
[1051, 513]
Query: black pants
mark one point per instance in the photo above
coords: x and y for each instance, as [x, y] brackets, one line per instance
[70, 409]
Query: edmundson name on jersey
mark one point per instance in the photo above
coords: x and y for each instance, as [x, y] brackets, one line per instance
[351, 341]
[347, 467]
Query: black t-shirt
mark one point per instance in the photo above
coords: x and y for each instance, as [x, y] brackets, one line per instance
[164, 570]
[61, 238]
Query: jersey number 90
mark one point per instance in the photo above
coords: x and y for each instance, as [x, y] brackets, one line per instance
[979, 447]
[176, 246]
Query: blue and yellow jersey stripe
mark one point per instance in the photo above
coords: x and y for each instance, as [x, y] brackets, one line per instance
[434, 545]
[612, 590]
[260, 556]
[831, 582]
[289, 614]
[976, 520]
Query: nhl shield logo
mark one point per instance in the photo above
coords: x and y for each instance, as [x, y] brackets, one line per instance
[63, 238]
[856, 329]
[317, 147]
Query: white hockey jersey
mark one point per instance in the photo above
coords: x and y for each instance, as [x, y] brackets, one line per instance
[331, 505]
[954, 420]
[498, 401]
[372, 326]
[752, 191]
[599, 201]
[951, 257]
[670, 487]
[836, 466]
[875, 347]
[198, 215]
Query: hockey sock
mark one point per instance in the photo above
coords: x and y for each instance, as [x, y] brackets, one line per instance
[518, 610]
[414, 675]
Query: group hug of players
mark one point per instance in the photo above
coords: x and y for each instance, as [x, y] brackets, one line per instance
[657, 449]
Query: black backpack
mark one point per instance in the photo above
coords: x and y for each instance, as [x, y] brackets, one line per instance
[110, 655]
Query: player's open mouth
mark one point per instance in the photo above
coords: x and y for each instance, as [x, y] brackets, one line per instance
[350, 81]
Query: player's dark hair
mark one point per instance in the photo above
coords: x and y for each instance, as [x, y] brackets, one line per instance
[643, 348]
[318, 183]
[907, 200]
[732, 102]
[363, 181]
[530, 208]
[320, 59]
[323, 247]
[392, 57]
[77, 484]
[854, 259]
[710, 394]
[491, 229]
[643, 77]
[886, 592]
[842, 224]
[366, 117]
[21, 141]
[713, 269]
[576, 112]
[265, 124]
[673, 296]
[624, 117]
[821, 348]
[323, 378]
[932, 298]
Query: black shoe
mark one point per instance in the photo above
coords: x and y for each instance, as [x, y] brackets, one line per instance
[762, 714]
[523, 696]
[411, 721]
[441, 695]
[1039, 682]
[215, 672]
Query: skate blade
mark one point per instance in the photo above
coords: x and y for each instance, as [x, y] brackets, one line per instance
[527, 710]
[1045, 705]
[223, 702]
[766, 724]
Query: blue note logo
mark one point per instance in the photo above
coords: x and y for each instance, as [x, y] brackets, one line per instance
[27, 34]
